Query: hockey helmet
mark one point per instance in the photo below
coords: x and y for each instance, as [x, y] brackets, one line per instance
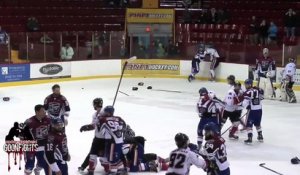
[181, 140]
[266, 52]
[57, 124]
[211, 129]
[248, 82]
[109, 110]
[292, 60]
[203, 91]
[97, 103]
[231, 79]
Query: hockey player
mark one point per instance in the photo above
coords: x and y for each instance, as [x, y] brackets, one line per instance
[114, 126]
[233, 109]
[196, 61]
[265, 69]
[287, 82]
[57, 153]
[209, 109]
[36, 128]
[214, 151]
[182, 158]
[214, 58]
[252, 101]
[231, 81]
[137, 160]
[99, 141]
[111, 127]
[57, 105]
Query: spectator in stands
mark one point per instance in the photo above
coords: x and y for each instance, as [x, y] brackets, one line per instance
[202, 18]
[263, 32]
[32, 24]
[187, 3]
[122, 49]
[212, 16]
[272, 33]
[290, 24]
[253, 31]
[187, 17]
[46, 39]
[66, 53]
[152, 49]
[223, 16]
[140, 51]
[172, 49]
[160, 53]
[3, 37]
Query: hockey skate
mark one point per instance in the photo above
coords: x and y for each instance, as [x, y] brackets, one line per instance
[80, 170]
[260, 137]
[153, 166]
[249, 140]
[191, 78]
[293, 100]
[233, 137]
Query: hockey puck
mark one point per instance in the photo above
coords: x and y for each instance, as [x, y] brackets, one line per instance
[149, 87]
[6, 98]
[141, 84]
[135, 88]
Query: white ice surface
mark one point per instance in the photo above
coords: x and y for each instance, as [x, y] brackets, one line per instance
[158, 116]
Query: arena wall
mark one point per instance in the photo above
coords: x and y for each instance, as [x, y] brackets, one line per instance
[82, 70]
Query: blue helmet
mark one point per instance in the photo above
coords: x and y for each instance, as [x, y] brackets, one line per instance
[248, 82]
[57, 124]
[109, 110]
[211, 127]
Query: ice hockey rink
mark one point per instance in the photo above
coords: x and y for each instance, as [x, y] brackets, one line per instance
[158, 116]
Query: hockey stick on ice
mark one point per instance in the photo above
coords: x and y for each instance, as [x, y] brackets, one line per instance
[163, 90]
[121, 77]
[124, 93]
[263, 166]
[231, 125]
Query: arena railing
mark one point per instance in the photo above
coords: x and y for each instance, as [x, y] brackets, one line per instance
[46, 47]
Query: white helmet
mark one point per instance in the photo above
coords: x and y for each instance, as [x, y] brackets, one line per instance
[266, 52]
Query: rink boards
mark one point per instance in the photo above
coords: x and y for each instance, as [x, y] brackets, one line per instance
[81, 70]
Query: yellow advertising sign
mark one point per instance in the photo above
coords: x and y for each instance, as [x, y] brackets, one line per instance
[152, 66]
[150, 15]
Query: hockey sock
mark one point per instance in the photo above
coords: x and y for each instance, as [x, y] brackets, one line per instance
[233, 130]
[212, 73]
[92, 162]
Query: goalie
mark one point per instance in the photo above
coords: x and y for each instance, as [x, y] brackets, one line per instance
[287, 82]
[265, 69]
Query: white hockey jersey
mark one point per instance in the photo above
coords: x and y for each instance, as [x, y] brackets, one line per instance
[252, 98]
[99, 133]
[231, 101]
[212, 53]
[182, 159]
[289, 71]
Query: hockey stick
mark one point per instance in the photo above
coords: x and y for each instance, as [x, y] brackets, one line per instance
[123, 93]
[232, 125]
[163, 90]
[263, 166]
[123, 69]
